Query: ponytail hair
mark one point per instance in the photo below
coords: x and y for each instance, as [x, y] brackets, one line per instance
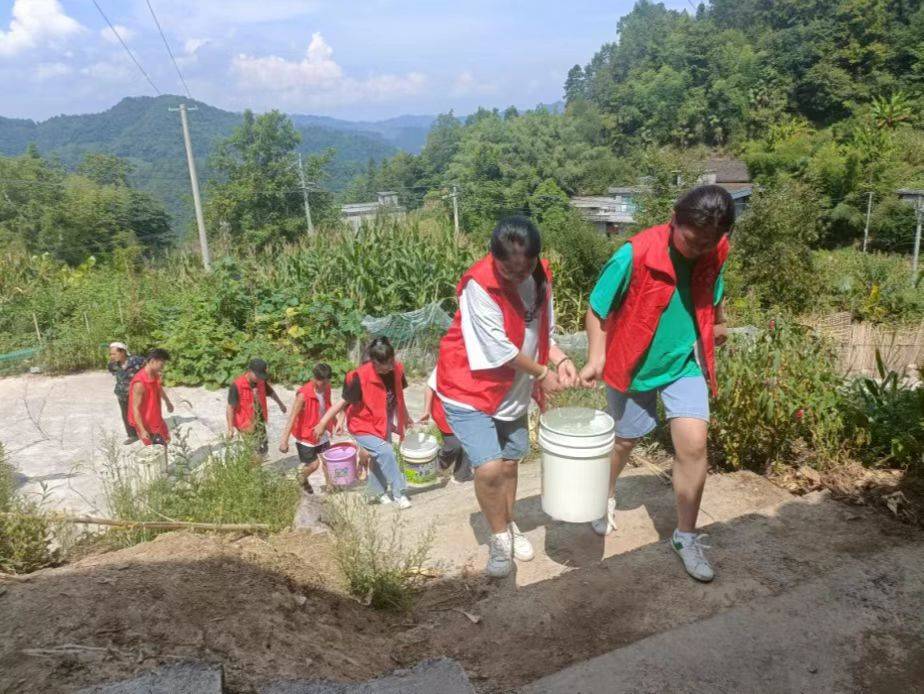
[707, 209]
[380, 351]
[520, 233]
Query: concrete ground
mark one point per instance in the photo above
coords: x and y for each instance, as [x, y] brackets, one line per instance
[53, 428]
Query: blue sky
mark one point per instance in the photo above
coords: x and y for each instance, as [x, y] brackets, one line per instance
[356, 59]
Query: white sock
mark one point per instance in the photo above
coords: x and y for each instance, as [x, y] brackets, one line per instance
[503, 537]
[513, 527]
[686, 538]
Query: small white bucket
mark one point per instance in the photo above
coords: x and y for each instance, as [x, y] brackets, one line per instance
[576, 443]
[419, 451]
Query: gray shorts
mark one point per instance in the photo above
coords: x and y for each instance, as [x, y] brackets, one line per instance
[636, 414]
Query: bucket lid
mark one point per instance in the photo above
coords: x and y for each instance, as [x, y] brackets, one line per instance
[419, 444]
[577, 421]
[340, 451]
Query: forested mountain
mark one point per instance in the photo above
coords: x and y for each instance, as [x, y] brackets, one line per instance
[147, 134]
[407, 133]
[827, 93]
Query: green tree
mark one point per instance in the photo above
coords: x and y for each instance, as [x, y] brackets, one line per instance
[256, 198]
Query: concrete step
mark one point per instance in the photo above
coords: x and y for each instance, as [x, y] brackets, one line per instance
[440, 676]
[857, 628]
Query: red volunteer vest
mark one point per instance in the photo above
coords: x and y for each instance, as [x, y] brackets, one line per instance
[439, 415]
[485, 389]
[151, 416]
[310, 414]
[244, 412]
[370, 415]
[630, 329]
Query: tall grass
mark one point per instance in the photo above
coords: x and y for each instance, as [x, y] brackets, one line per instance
[225, 488]
[380, 563]
[26, 532]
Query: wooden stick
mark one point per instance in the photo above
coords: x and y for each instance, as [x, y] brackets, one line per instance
[38, 333]
[86, 322]
[144, 525]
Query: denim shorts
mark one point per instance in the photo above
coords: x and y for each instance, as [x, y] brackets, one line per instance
[485, 439]
[636, 414]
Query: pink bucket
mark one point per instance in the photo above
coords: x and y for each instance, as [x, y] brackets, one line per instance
[340, 463]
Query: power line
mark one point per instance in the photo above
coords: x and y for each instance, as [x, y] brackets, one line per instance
[127, 49]
[169, 51]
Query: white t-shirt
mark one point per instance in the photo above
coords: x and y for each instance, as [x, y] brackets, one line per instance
[488, 346]
[322, 403]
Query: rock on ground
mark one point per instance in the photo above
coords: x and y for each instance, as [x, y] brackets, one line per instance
[182, 678]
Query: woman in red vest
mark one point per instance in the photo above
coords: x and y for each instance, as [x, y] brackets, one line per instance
[655, 317]
[496, 351]
[373, 396]
[246, 411]
[144, 397]
[311, 403]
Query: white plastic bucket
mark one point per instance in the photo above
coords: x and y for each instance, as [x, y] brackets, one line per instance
[418, 451]
[576, 443]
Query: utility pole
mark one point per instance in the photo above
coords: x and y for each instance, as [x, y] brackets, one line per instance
[455, 208]
[194, 182]
[917, 240]
[869, 208]
[304, 187]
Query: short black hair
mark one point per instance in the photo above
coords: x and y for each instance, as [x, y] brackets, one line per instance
[709, 209]
[323, 371]
[159, 354]
[380, 350]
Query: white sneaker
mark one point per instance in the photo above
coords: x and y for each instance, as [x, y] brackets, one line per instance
[500, 560]
[522, 547]
[691, 552]
[604, 526]
[384, 499]
[403, 502]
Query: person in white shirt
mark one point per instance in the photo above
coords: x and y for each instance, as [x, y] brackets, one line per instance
[495, 354]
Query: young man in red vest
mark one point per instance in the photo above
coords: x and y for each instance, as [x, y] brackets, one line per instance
[312, 401]
[373, 396]
[246, 410]
[144, 397]
[655, 317]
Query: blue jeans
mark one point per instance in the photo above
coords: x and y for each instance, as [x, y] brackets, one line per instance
[485, 439]
[384, 469]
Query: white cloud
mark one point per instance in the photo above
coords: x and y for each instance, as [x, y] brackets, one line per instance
[317, 79]
[47, 71]
[108, 35]
[35, 23]
[107, 71]
[193, 45]
[465, 84]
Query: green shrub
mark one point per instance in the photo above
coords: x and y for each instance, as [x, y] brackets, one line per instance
[772, 254]
[25, 528]
[380, 566]
[226, 488]
[889, 414]
[776, 390]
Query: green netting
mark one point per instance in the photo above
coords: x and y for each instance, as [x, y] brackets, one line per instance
[415, 334]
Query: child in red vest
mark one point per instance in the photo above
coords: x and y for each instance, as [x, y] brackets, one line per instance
[312, 402]
[373, 396]
[144, 397]
[655, 317]
[246, 411]
[451, 455]
[498, 348]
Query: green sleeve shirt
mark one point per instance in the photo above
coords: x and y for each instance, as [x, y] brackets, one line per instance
[671, 353]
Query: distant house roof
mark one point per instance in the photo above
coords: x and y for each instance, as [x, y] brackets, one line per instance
[601, 208]
[727, 170]
[627, 190]
[360, 208]
[911, 191]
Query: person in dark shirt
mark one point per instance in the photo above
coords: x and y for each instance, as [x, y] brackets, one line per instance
[373, 396]
[124, 367]
[246, 411]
